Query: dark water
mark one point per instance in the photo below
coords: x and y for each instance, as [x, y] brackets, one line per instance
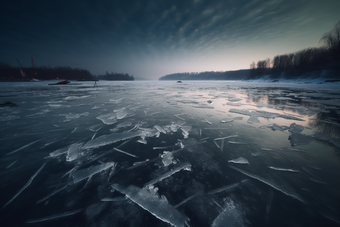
[161, 153]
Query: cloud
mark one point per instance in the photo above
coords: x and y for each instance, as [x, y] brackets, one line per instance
[152, 29]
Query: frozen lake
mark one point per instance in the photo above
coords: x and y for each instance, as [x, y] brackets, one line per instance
[161, 153]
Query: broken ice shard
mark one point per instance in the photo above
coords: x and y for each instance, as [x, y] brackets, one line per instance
[51, 194]
[185, 165]
[26, 185]
[72, 152]
[208, 122]
[227, 188]
[116, 199]
[239, 160]
[124, 152]
[152, 203]
[142, 141]
[282, 169]
[65, 214]
[223, 138]
[236, 142]
[167, 158]
[187, 199]
[230, 216]
[121, 114]
[80, 175]
[19, 149]
[108, 119]
[109, 139]
[285, 189]
[160, 129]
[10, 165]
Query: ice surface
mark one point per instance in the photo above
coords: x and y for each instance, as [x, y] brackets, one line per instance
[269, 201]
[335, 219]
[175, 114]
[110, 139]
[231, 215]
[80, 175]
[5, 117]
[285, 189]
[26, 185]
[185, 166]
[151, 202]
[55, 216]
[239, 160]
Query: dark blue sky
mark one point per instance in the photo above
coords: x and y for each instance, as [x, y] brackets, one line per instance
[151, 38]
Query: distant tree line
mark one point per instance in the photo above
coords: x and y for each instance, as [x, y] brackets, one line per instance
[115, 76]
[228, 75]
[7, 72]
[303, 61]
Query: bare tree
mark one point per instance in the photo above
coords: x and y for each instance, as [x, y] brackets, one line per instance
[331, 40]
